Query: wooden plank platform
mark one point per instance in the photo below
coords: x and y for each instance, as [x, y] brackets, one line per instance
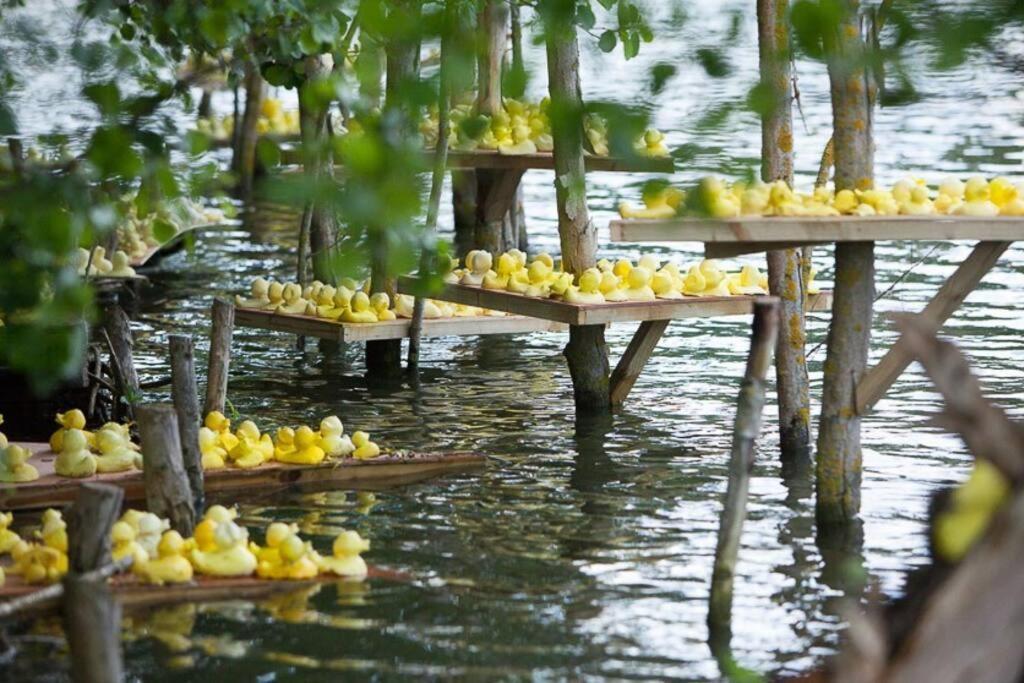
[392, 329]
[600, 314]
[756, 234]
[170, 245]
[51, 490]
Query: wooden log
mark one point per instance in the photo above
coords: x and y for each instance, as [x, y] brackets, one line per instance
[243, 161]
[838, 471]
[951, 295]
[221, 330]
[749, 409]
[185, 396]
[785, 279]
[632, 363]
[119, 335]
[586, 352]
[168, 493]
[92, 618]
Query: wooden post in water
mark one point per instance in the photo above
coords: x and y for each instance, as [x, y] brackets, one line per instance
[92, 617]
[749, 409]
[168, 492]
[839, 453]
[221, 330]
[586, 351]
[119, 334]
[185, 396]
[384, 358]
[785, 277]
[243, 161]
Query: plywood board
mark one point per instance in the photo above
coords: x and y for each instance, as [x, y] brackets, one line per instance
[596, 314]
[392, 329]
[51, 490]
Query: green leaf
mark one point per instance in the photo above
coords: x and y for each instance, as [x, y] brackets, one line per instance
[268, 152]
[585, 17]
[631, 45]
[110, 150]
[106, 96]
[607, 41]
[163, 230]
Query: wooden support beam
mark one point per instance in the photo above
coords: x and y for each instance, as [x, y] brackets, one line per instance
[632, 363]
[185, 396]
[168, 493]
[221, 330]
[877, 381]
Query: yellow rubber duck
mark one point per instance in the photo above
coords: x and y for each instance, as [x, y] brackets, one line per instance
[756, 201]
[8, 538]
[306, 450]
[247, 454]
[638, 285]
[216, 422]
[75, 460]
[124, 543]
[249, 431]
[381, 305]
[365, 449]
[275, 534]
[479, 264]
[213, 454]
[340, 302]
[622, 268]
[229, 557]
[657, 206]
[14, 465]
[116, 455]
[54, 530]
[284, 443]
[275, 296]
[202, 536]
[976, 200]
[120, 265]
[653, 144]
[345, 560]
[951, 195]
[323, 300]
[917, 203]
[611, 287]
[360, 310]
[170, 564]
[498, 279]
[333, 440]
[311, 292]
[293, 302]
[846, 202]
[746, 282]
[40, 564]
[148, 529]
[812, 286]
[664, 286]
[538, 273]
[295, 561]
[972, 507]
[694, 283]
[1002, 191]
[72, 419]
[3, 437]
[589, 291]
[560, 285]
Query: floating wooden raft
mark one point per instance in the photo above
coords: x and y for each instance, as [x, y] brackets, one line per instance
[392, 329]
[52, 491]
[134, 594]
[600, 314]
[754, 234]
[170, 245]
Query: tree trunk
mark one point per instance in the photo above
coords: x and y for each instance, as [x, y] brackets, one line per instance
[243, 162]
[318, 166]
[586, 352]
[849, 335]
[168, 492]
[785, 276]
[185, 396]
[222, 327]
[369, 68]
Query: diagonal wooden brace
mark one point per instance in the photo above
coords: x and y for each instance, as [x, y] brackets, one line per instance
[877, 381]
[496, 192]
[635, 358]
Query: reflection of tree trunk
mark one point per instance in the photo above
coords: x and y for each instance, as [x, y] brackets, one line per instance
[849, 335]
[205, 107]
[243, 161]
[586, 352]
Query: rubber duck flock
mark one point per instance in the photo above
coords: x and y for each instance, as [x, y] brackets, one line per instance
[977, 197]
[219, 547]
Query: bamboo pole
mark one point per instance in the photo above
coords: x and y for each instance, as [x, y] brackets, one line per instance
[785, 277]
[436, 178]
[586, 352]
[838, 475]
[243, 161]
[185, 396]
[92, 618]
[168, 493]
[749, 410]
[221, 330]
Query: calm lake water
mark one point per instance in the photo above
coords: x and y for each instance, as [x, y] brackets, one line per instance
[584, 549]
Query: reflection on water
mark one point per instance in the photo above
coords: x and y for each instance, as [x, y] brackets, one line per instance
[585, 548]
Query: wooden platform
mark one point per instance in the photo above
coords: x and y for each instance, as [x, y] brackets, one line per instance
[723, 238]
[399, 468]
[545, 161]
[170, 245]
[600, 314]
[393, 329]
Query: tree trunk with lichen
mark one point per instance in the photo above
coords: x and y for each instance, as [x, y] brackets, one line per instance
[785, 276]
[384, 358]
[839, 452]
[586, 353]
[318, 165]
[243, 159]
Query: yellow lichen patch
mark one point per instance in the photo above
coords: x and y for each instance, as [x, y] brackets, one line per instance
[785, 141]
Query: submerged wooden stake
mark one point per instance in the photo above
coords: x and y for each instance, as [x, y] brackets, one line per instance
[221, 330]
[838, 475]
[749, 409]
[168, 493]
[92, 618]
[785, 276]
[586, 353]
[185, 396]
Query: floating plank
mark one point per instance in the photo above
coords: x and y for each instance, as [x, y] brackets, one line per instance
[600, 314]
[755, 234]
[51, 490]
[392, 329]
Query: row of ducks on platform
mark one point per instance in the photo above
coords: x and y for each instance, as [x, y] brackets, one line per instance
[977, 197]
[347, 302]
[109, 449]
[608, 282]
[218, 547]
[95, 263]
[138, 234]
[246, 447]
